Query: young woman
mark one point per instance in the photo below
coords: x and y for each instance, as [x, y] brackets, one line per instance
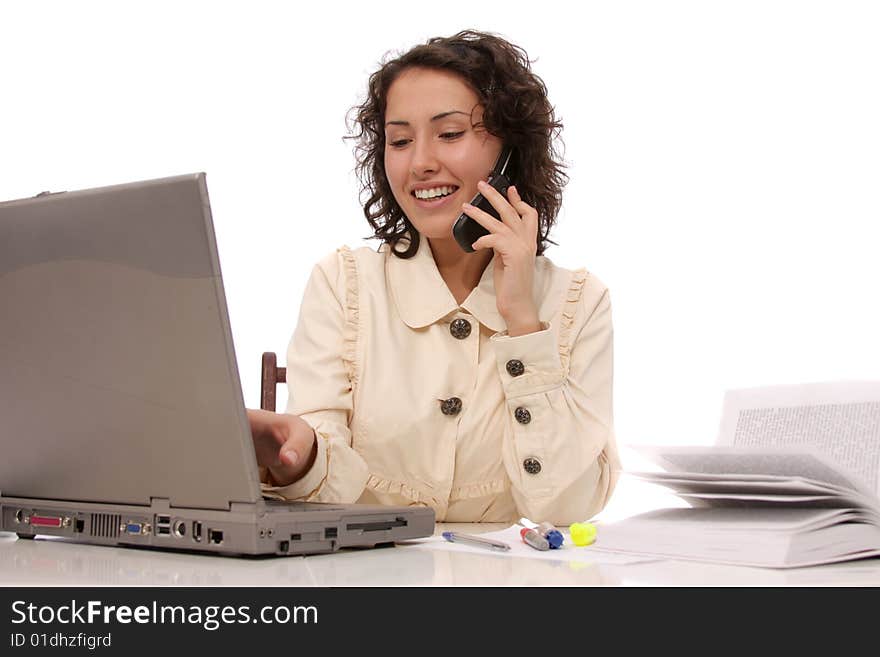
[478, 383]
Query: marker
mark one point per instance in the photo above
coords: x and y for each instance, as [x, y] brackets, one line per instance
[582, 533]
[554, 536]
[533, 539]
[467, 539]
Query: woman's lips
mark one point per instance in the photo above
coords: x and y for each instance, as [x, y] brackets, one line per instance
[430, 204]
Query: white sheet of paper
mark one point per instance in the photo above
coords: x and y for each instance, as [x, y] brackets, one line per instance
[568, 552]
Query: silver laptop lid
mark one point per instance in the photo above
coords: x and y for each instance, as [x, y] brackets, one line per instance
[118, 380]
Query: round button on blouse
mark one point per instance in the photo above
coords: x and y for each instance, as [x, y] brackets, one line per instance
[522, 415]
[451, 406]
[515, 367]
[532, 466]
[460, 328]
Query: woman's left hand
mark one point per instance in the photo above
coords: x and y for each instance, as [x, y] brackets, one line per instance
[514, 240]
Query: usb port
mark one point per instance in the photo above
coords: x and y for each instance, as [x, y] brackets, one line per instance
[163, 531]
[163, 520]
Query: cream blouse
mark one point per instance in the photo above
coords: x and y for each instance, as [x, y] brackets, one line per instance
[416, 400]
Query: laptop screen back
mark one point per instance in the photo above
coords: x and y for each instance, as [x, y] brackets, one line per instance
[118, 380]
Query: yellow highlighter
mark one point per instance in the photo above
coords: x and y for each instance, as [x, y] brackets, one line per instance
[582, 533]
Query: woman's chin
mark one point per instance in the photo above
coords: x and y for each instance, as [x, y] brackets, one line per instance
[435, 228]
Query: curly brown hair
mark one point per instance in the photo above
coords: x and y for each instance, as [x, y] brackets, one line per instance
[516, 110]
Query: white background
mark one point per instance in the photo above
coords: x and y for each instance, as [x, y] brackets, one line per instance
[724, 161]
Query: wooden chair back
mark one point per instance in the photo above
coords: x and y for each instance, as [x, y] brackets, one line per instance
[272, 375]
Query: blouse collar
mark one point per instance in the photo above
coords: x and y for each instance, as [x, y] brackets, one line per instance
[421, 295]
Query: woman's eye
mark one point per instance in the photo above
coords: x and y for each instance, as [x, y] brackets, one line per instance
[398, 143]
[451, 135]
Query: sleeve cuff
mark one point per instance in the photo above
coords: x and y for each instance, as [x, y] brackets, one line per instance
[538, 354]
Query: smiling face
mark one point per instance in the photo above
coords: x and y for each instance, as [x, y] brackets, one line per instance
[434, 156]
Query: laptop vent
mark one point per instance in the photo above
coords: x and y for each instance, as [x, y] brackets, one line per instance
[105, 524]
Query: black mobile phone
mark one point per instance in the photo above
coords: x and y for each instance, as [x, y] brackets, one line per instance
[466, 230]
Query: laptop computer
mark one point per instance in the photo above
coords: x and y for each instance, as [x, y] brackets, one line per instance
[122, 420]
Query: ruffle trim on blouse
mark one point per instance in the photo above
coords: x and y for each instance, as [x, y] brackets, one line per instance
[484, 489]
[569, 309]
[352, 314]
[271, 494]
[392, 487]
[470, 491]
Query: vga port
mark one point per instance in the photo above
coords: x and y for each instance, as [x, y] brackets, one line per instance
[133, 528]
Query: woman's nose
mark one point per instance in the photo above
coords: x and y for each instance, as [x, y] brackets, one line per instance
[424, 160]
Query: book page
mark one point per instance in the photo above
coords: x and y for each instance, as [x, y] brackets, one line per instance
[839, 420]
[731, 462]
[736, 484]
[752, 501]
[696, 521]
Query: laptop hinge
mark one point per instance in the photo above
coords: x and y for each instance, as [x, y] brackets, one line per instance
[160, 504]
[244, 507]
[163, 505]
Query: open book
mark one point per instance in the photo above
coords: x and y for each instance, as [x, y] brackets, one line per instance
[792, 481]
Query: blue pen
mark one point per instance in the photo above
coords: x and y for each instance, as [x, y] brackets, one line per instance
[467, 539]
[554, 536]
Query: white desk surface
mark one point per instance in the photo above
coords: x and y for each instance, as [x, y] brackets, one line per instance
[61, 563]
[56, 563]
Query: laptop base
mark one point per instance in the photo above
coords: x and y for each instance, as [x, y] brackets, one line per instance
[264, 528]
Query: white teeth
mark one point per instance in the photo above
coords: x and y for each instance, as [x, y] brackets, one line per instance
[434, 191]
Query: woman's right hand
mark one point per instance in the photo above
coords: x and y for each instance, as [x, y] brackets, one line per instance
[285, 444]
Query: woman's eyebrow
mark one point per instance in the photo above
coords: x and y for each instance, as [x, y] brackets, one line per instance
[436, 117]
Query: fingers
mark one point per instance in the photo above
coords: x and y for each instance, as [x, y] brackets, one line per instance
[288, 456]
[485, 219]
[299, 443]
[524, 227]
[516, 215]
[485, 242]
[509, 216]
[280, 439]
[527, 212]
